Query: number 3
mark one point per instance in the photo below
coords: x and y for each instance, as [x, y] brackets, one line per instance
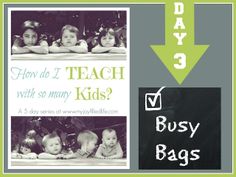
[182, 60]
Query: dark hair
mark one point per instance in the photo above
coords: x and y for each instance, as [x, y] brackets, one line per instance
[72, 29]
[104, 32]
[30, 24]
[30, 142]
[109, 130]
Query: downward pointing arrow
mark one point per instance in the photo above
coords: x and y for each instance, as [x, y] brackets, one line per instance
[173, 52]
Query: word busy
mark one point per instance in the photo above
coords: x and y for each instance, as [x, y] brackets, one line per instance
[181, 127]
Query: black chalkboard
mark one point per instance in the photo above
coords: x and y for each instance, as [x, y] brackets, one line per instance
[195, 105]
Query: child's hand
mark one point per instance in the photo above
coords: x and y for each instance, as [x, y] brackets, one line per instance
[64, 156]
[69, 156]
[32, 156]
[26, 48]
[102, 146]
[100, 157]
[18, 41]
[16, 155]
[112, 157]
[77, 49]
[60, 156]
[109, 158]
[117, 50]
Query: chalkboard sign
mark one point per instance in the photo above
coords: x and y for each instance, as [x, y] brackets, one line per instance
[179, 128]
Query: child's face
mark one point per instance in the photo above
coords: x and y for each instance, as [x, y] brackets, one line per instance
[108, 40]
[91, 146]
[53, 146]
[109, 138]
[30, 37]
[25, 150]
[68, 38]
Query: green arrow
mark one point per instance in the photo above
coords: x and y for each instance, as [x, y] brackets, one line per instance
[179, 67]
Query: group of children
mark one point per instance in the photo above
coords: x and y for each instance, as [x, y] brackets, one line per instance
[32, 41]
[110, 147]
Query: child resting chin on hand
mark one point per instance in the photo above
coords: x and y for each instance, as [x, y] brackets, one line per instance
[31, 39]
[87, 141]
[28, 147]
[69, 42]
[52, 147]
[108, 42]
[110, 147]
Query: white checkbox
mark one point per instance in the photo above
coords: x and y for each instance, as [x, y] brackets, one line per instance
[152, 100]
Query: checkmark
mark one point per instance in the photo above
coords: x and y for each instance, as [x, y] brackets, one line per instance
[152, 99]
